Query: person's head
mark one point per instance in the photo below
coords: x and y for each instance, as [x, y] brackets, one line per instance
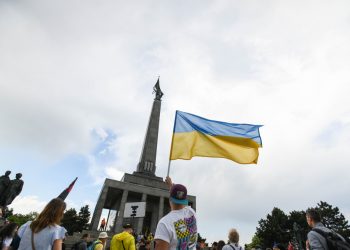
[278, 247]
[178, 197]
[18, 176]
[103, 237]
[9, 230]
[233, 235]
[86, 237]
[221, 244]
[128, 228]
[51, 215]
[312, 217]
[7, 173]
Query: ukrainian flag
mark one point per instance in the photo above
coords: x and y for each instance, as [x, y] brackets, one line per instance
[197, 136]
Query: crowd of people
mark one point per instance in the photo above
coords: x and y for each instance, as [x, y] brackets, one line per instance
[175, 231]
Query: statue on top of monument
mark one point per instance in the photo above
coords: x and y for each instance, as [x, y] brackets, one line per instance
[12, 190]
[158, 91]
[4, 182]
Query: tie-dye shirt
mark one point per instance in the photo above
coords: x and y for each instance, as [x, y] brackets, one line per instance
[179, 229]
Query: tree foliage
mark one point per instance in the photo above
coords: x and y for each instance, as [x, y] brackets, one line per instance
[256, 243]
[74, 222]
[332, 218]
[20, 219]
[274, 228]
[281, 228]
[83, 218]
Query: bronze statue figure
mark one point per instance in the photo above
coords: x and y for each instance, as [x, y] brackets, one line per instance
[12, 191]
[158, 91]
[4, 183]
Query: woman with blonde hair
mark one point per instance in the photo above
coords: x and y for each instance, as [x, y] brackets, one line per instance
[44, 232]
[233, 237]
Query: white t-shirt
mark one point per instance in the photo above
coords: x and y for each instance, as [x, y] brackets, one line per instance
[42, 240]
[232, 246]
[7, 242]
[179, 229]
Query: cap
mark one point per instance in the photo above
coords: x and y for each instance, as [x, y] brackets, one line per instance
[178, 194]
[103, 235]
[127, 225]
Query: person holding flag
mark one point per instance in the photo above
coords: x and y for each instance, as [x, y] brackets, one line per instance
[177, 229]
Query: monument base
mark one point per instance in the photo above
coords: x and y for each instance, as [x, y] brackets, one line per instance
[141, 179]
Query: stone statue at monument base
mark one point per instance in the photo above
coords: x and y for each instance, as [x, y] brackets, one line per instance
[13, 190]
[4, 182]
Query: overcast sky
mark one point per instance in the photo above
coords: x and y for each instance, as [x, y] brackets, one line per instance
[76, 82]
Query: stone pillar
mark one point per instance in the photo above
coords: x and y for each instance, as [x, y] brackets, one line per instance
[161, 207]
[194, 205]
[120, 217]
[95, 221]
[140, 220]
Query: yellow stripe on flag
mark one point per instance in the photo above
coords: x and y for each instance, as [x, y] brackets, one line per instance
[186, 145]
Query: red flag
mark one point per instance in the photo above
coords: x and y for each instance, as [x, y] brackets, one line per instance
[65, 192]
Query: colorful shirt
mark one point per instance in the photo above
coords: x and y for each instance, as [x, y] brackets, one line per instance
[179, 229]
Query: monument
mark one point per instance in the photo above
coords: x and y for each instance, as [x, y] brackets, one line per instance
[141, 186]
[10, 189]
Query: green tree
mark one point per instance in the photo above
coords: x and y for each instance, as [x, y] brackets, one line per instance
[256, 242]
[74, 222]
[298, 227]
[280, 228]
[20, 219]
[332, 218]
[83, 218]
[69, 221]
[200, 239]
[273, 229]
[8, 211]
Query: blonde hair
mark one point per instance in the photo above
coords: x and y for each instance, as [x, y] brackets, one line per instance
[233, 235]
[51, 215]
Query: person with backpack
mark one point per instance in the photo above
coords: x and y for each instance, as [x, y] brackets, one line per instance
[233, 237]
[320, 237]
[82, 244]
[124, 240]
[100, 243]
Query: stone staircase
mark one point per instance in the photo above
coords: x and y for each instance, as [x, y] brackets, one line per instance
[70, 240]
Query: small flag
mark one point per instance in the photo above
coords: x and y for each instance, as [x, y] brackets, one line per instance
[197, 136]
[65, 192]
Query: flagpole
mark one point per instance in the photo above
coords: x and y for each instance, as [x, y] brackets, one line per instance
[171, 145]
[168, 168]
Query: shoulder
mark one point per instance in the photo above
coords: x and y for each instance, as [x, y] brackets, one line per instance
[7, 241]
[226, 247]
[190, 209]
[167, 218]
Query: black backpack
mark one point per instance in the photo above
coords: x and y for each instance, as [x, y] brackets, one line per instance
[334, 242]
[76, 245]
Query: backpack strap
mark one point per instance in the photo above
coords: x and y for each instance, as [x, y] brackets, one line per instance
[321, 232]
[325, 234]
[123, 245]
[233, 248]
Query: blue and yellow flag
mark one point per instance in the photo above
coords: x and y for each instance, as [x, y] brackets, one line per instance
[197, 136]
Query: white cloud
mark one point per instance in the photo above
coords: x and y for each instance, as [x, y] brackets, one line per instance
[113, 173]
[27, 204]
[283, 65]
